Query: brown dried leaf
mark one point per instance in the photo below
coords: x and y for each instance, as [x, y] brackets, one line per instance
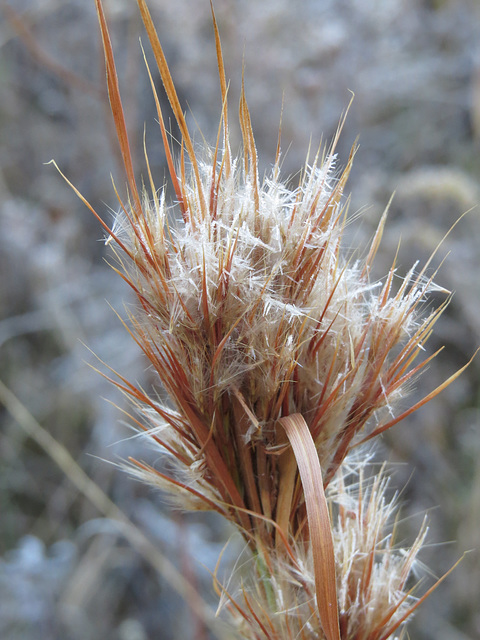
[319, 524]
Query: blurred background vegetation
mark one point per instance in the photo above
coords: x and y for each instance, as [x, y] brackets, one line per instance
[66, 570]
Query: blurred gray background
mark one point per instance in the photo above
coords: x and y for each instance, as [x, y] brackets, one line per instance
[414, 67]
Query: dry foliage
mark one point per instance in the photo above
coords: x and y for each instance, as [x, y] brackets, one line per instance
[279, 356]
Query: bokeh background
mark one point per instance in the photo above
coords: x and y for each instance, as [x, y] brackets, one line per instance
[66, 569]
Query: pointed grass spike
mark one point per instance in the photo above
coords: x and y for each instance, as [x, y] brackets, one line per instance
[171, 92]
[117, 108]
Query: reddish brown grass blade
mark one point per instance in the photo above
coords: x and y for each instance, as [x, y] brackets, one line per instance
[319, 525]
[223, 87]
[392, 628]
[116, 105]
[171, 92]
[166, 146]
[419, 404]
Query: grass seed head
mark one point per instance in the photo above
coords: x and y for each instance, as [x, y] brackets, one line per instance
[254, 312]
[278, 354]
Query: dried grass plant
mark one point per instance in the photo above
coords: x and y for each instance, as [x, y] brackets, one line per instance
[280, 356]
